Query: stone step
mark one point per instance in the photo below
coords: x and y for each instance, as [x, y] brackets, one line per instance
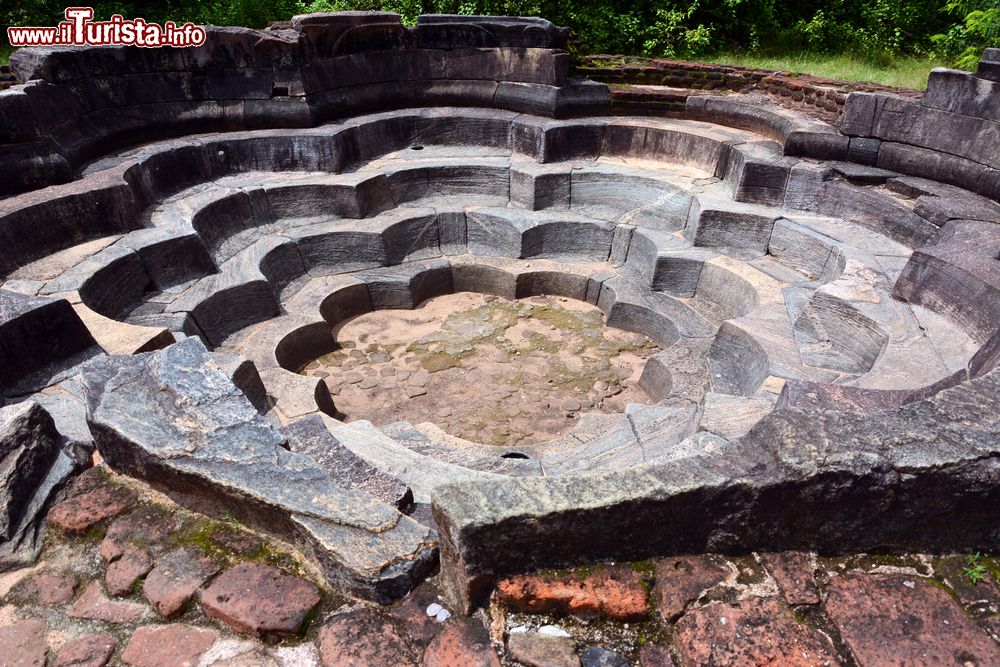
[310, 436]
[602, 442]
[420, 472]
[732, 416]
[116, 337]
[430, 440]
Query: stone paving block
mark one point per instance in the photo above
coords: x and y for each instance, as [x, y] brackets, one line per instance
[28, 322]
[174, 645]
[122, 574]
[260, 600]
[681, 581]
[793, 570]
[359, 637]
[23, 643]
[45, 589]
[77, 514]
[892, 618]
[751, 631]
[146, 526]
[89, 651]
[93, 605]
[175, 579]
[461, 643]
[536, 650]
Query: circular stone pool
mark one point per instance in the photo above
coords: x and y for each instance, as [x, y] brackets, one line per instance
[822, 300]
[484, 368]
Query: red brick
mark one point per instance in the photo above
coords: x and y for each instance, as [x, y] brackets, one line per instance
[613, 592]
[23, 644]
[260, 600]
[93, 605]
[45, 589]
[755, 631]
[90, 651]
[75, 515]
[682, 580]
[891, 619]
[361, 638]
[174, 645]
[462, 642]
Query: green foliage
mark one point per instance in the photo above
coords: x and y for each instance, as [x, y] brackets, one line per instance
[978, 27]
[876, 31]
[975, 569]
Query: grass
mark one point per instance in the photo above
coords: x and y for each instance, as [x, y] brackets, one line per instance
[903, 72]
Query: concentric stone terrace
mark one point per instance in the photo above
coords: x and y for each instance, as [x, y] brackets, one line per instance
[824, 303]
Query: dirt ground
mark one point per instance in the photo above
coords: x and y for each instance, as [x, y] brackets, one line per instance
[484, 368]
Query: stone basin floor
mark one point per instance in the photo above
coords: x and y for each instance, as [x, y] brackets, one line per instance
[483, 368]
[128, 578]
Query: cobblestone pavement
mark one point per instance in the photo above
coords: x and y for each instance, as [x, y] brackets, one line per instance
[126, 577]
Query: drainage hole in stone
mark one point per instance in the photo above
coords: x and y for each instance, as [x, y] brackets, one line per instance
[514, 455]
[418, 147]
[484, 369]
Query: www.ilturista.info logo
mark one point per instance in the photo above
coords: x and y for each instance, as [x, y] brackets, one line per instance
[79, 29]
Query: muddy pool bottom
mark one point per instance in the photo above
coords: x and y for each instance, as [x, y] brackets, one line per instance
[483, 368]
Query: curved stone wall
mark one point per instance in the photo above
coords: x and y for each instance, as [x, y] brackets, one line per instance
[78, 103]
[828, 328]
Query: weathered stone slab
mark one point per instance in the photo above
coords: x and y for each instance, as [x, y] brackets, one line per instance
[809, 188]
[799, 134]
[419, 472]
[958, 92]
[943, 167]
[449, 31]
[512, 233]
[906, 121]
[744, 229]
[757, 172]
[227, 301]
[200, 440]
[989, 65]
[33, 468]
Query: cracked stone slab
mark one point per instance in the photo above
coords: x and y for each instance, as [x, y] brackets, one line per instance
[198, 438]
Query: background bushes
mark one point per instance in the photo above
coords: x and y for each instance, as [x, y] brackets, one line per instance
[876, 30]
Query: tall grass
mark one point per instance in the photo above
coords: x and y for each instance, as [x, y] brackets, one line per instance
[901, 71]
